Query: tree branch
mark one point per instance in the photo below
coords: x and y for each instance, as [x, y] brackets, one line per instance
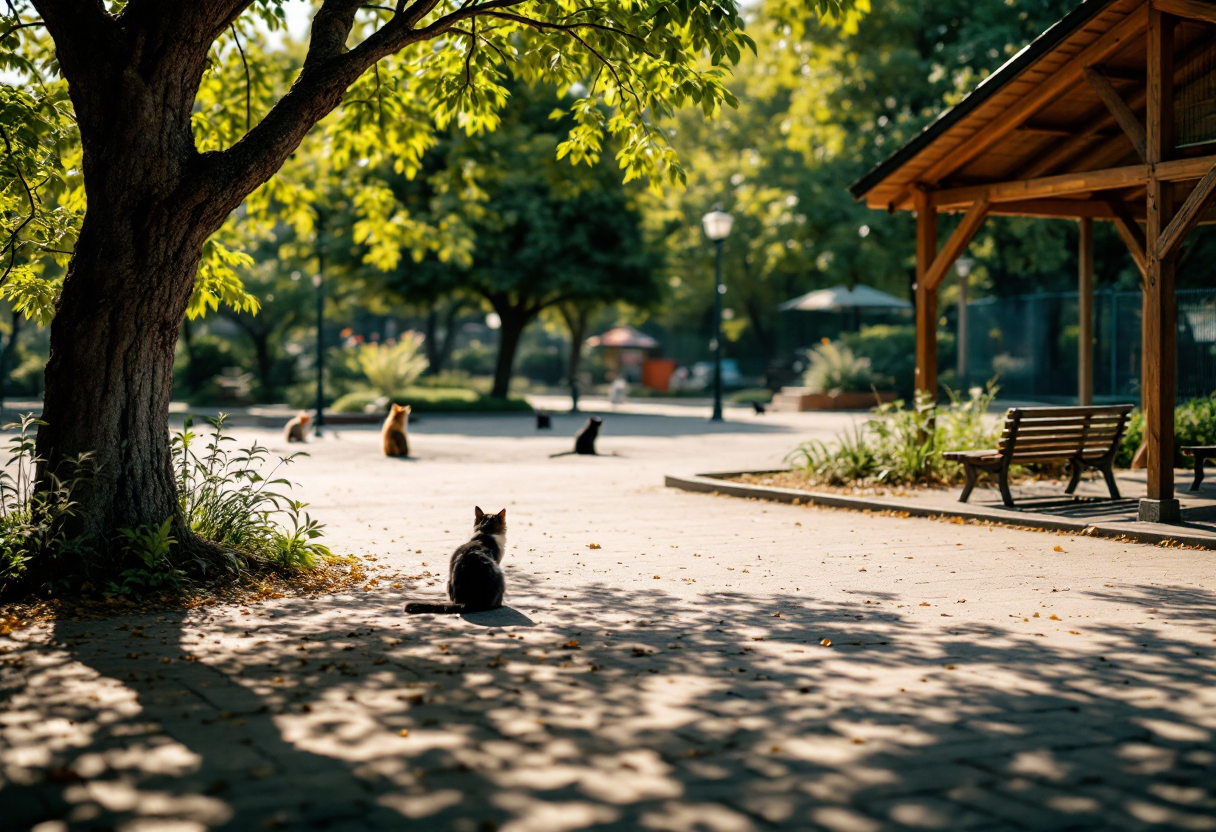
[248, 91]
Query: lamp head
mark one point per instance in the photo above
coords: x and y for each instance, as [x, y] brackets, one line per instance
[963, 266]
[717, 225]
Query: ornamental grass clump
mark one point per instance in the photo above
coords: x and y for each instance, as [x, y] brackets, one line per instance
[835, 369]
[391, 368]
[902, 445]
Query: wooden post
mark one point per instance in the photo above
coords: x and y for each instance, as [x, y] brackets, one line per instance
[1085, 310]
[1160, 311]
[926, 296]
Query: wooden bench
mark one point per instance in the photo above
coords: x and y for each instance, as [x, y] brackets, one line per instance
[1201, 454]
[1084, 437]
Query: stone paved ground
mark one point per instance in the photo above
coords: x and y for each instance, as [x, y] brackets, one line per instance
[977, 677]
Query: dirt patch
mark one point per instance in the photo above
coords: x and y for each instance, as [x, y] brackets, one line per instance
[799, 481]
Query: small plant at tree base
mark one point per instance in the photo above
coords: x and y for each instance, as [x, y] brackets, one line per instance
[390, 368]
[34, 523]
[835, 369]
[151, 544]
[226, 499]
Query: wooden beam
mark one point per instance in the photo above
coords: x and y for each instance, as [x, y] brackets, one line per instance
[1190, 9]
[1188, 216]
[955, 244]
[1069, 148]
[1046, 92]
[926, 297]
[1179, 170]
[1131, 234]
[1114, 102]
[1160, 310]
[1085, 312]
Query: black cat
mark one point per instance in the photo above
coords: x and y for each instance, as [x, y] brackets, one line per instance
[475, 580]
[584, 442]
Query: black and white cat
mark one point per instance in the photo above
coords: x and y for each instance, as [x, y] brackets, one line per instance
[475, 579]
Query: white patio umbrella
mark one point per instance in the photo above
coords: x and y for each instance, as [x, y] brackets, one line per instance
[839, 298]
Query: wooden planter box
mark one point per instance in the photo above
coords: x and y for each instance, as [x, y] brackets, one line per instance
[797, 399]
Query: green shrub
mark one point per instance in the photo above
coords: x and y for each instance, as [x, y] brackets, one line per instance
[902, 445]
[34, 525]
[152, 546]
[430, 400]
[226, 499]
[835, 369]
[391, 368]
[1194, 424]
[892, 352]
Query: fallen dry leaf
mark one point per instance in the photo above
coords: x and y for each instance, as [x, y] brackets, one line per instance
[593, 546]
[1058, 548]
[924, 603]
[1054, 617]
[826, 642]
[570, 645]
[404, 732]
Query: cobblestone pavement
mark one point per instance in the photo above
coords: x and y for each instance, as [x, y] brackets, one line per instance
[663, 665]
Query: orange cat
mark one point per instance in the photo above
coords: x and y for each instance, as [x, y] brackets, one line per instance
[396, 442]
[297, 429]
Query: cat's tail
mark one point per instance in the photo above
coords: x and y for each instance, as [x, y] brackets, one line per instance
[418, 608]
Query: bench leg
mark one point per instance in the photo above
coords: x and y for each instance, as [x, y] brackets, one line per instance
[972, 474]
[1074, 468]
[1002, 482]
[1109, 475]
[1199, 460]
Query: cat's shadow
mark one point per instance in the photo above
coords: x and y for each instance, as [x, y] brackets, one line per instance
[501, 617]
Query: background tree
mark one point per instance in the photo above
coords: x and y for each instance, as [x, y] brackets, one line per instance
[166, 155]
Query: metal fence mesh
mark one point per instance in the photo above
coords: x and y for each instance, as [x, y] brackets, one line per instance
[1029, 343]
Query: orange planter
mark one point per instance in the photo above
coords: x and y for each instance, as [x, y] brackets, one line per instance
[657, 372]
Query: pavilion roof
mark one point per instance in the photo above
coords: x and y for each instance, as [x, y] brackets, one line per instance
[1072, 102]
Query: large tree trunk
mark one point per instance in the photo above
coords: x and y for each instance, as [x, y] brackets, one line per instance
[110, 374]
[514, 321]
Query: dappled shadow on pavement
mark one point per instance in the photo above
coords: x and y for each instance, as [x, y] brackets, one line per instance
[620, 710]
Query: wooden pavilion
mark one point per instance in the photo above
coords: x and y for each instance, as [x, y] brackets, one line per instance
[1110, 115]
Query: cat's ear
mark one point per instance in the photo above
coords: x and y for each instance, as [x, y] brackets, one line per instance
[406, 409]
[502, 515]
[478, 513]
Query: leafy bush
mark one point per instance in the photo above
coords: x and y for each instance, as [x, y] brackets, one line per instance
[151, 545]
[892, 352]
[225, 499]
[1194, 424]
[835, 369]
[901, 445]
[430, 400]
[34, 525]
[391, 368]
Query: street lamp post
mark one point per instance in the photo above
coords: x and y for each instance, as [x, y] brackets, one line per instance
[318, 281]
[717, 228]
[963, 266]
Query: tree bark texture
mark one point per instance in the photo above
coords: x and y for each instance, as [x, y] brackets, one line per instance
[153, 200]
[514, 321]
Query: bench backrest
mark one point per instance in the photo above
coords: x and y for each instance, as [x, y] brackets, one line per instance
[1061, 432]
